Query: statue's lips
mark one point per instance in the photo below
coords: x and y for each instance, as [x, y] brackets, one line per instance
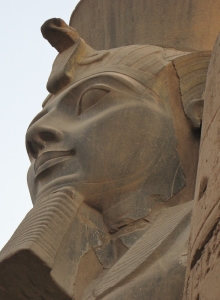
[51, 158]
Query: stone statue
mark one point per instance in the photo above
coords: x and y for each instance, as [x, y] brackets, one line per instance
[113, 154]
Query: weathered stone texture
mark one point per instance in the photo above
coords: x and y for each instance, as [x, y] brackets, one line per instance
[113, 167]
[179, 24]
[203, 276]
[114, 156]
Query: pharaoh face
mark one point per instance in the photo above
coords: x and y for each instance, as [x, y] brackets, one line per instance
[99, 135]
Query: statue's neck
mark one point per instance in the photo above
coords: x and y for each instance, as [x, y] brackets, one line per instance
[130, 207]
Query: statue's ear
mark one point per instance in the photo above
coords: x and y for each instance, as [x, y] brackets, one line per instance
[192, 71]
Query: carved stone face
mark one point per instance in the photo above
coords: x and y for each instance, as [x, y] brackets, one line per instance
[103, 157]
[100, 135]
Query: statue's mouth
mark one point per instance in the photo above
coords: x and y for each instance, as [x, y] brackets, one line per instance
[51, 158]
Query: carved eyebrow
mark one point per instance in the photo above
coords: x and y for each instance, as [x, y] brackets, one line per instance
[129, 83]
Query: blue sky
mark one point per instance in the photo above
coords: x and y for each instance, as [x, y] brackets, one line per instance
[25, 61]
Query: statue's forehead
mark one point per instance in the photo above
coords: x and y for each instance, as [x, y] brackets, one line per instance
[118, 82]
[68, 68]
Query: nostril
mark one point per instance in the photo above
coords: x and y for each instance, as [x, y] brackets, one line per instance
[32, 149]
[47, 136]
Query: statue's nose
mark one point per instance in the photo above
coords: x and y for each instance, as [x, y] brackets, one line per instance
[40, 137]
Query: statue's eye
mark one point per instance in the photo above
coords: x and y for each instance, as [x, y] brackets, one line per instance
[90, 98]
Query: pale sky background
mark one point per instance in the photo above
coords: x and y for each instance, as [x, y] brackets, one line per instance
[25, 61]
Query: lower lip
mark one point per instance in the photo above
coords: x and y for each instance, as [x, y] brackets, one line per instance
[51, 163]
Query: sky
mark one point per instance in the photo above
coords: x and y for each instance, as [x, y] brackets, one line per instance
[26, 60]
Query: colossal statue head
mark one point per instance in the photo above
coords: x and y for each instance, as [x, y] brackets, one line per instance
[113, 162]
[108, 127]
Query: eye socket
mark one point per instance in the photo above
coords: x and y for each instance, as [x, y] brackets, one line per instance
[90, 98]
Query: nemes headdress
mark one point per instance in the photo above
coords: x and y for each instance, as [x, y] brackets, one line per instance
[146, 63]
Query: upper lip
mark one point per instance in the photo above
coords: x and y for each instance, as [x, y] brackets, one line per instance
[51, 158]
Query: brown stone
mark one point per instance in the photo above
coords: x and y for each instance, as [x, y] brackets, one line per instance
[114, 156]
[204, 265]
[186, 25]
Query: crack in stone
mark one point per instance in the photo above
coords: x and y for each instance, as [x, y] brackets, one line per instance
[199, 251]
